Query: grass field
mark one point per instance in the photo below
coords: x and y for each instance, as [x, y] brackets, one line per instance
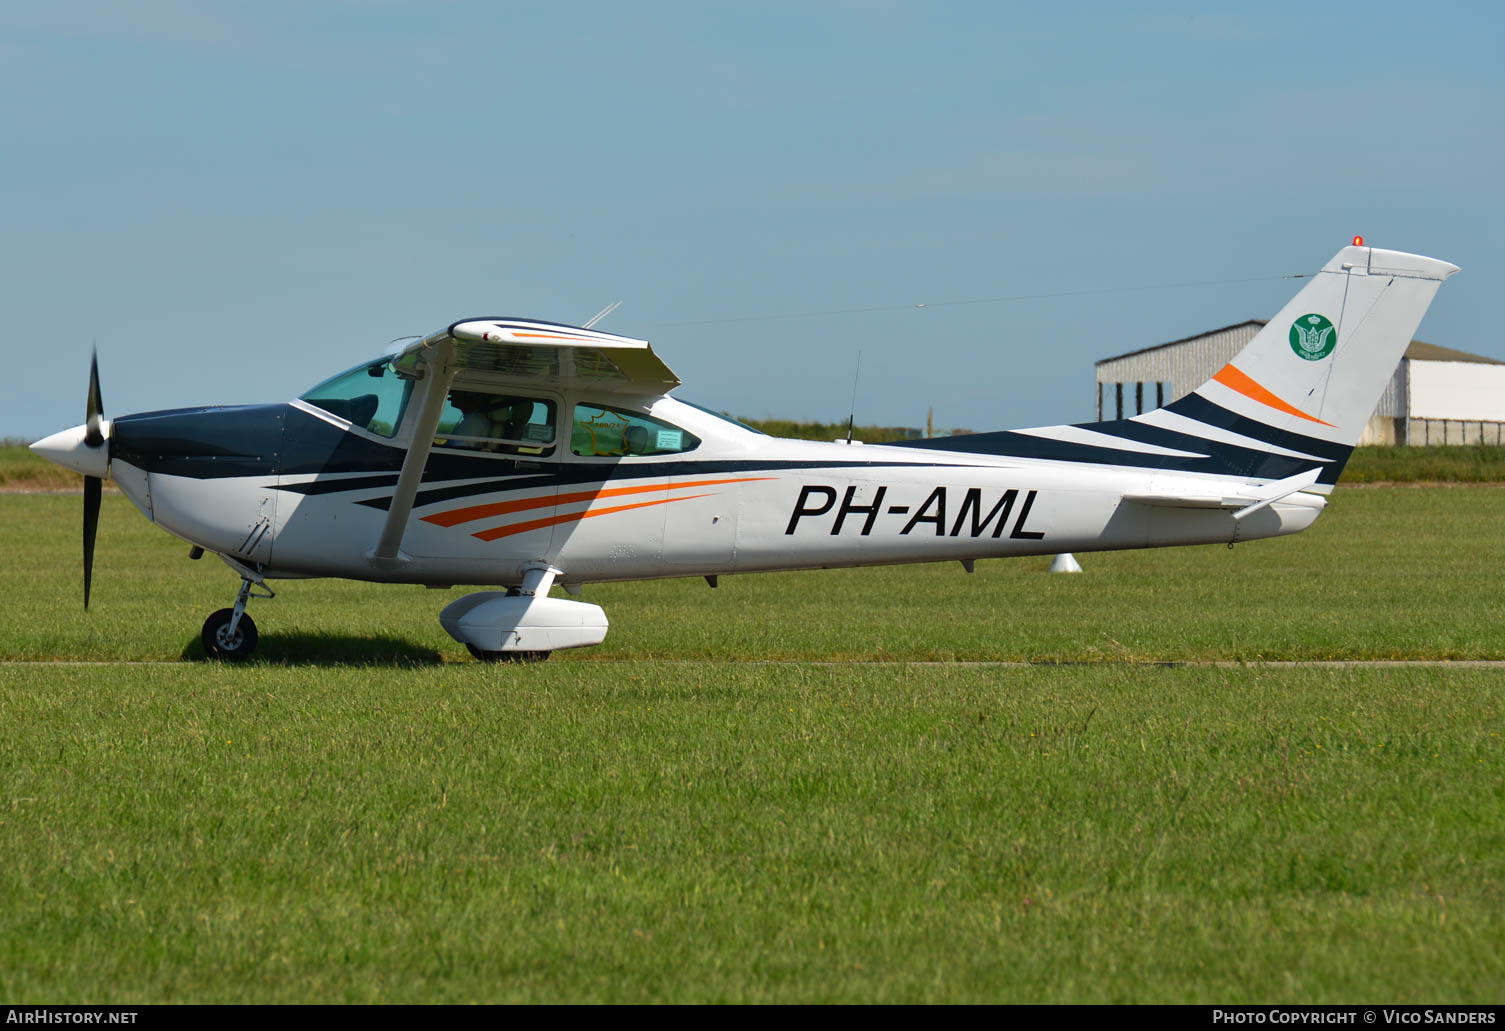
[364, 814]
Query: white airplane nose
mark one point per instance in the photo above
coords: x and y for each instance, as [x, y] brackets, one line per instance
[67, 448]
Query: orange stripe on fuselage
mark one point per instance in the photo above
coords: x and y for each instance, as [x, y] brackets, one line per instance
[455, 517]
[1234, 379]
[539, 524]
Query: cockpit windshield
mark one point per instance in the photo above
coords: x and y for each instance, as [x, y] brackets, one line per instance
[371, 396]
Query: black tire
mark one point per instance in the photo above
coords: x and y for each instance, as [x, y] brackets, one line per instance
[485, 656]
[219, 644]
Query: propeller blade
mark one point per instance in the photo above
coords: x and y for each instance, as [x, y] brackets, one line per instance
[92, 486]
[94, 407]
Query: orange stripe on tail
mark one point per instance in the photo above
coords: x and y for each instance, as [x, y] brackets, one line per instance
[1234, 379]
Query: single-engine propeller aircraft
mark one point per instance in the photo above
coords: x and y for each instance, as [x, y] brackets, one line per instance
[522, 454]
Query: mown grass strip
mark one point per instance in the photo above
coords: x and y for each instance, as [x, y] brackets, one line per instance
[643, 832]
[366, 815]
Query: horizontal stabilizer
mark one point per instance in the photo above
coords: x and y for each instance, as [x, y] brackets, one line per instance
[1242, 504]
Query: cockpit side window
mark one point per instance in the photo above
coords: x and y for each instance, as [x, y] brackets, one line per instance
[500, 423]
[370, 396]
[599, 431]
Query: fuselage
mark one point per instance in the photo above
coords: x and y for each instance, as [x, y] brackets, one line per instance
[295, 490]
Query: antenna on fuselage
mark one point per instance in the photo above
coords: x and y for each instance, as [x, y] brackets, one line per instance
[852, 411]
[602, 314]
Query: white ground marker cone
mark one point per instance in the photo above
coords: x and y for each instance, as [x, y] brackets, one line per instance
[1065, 563]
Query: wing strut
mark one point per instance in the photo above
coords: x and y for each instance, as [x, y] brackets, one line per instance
[387, 554]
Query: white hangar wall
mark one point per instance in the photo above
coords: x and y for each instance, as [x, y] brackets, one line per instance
[1457, 390]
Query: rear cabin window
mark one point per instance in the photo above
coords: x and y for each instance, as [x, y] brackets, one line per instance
[499, 423]
[371, 396]
[601, 432]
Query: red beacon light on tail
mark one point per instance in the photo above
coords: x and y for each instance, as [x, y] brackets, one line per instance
[1358, 241]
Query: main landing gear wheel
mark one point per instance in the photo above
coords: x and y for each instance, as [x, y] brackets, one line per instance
[221, 643]
[485, 656]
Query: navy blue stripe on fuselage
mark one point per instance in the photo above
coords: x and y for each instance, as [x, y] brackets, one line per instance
[1208, 456]
[1025, 445]
[1249, 461]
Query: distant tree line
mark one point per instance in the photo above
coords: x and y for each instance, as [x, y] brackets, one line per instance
[831, 430]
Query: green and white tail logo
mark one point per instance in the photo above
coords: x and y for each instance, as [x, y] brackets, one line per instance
[1313, 337]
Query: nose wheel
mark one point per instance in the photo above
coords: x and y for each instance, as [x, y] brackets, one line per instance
[227, 638]
[230, 635]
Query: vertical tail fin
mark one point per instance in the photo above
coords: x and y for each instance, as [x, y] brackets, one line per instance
[1309, 381]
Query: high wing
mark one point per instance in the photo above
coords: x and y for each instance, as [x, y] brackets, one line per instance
[530, 351]
[521, 351]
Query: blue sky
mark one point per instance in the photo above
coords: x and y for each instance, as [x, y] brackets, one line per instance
[235, 200]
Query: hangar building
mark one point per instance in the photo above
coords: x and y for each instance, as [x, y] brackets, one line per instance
[1437, 395]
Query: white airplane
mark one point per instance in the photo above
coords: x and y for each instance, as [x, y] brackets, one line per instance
[520, 453]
